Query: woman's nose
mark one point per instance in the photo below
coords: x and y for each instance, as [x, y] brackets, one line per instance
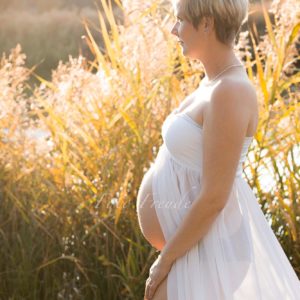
[174, 29]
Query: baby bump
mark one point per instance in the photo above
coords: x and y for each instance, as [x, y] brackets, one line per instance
[146, 213]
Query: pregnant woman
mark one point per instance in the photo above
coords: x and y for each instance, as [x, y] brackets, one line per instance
[193, 205]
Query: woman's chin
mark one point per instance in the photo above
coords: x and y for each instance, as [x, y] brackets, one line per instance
[185, 51]
[188, 54]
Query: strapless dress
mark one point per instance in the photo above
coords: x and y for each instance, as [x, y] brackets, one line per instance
[240, 257]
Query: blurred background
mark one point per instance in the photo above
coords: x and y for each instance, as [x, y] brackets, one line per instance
[50, 31]
[84, 89]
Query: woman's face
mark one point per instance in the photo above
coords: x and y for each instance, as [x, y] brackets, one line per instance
[192, 41]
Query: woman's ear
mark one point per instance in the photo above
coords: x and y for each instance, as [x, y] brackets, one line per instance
[208, 23]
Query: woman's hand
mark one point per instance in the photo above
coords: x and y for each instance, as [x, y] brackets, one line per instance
[158, 271]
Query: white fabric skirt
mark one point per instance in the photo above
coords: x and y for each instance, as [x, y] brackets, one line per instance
[239, 258]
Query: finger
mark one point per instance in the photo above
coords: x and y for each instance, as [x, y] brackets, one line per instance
[152, 290]
[147, 287]
[150, 286]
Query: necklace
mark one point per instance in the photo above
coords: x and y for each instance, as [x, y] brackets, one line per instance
[218, 75]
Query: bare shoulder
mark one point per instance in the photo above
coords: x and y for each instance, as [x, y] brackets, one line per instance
[239, 91]
[233, 103]
[234, 95]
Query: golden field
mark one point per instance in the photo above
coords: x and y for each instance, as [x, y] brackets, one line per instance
[75, 147]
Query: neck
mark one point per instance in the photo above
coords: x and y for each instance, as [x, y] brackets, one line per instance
[217, 60]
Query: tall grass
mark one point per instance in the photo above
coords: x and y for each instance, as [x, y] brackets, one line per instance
[277, 139]
[68, 226]
[47, 37]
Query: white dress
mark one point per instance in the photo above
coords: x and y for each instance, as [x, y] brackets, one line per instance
[240, 257]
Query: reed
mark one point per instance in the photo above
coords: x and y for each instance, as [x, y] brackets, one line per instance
[68, 226]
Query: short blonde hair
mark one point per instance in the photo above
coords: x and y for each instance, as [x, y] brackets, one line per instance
[228, 15]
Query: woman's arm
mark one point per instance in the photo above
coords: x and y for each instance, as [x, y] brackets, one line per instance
[226, 120]
[194, 226]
